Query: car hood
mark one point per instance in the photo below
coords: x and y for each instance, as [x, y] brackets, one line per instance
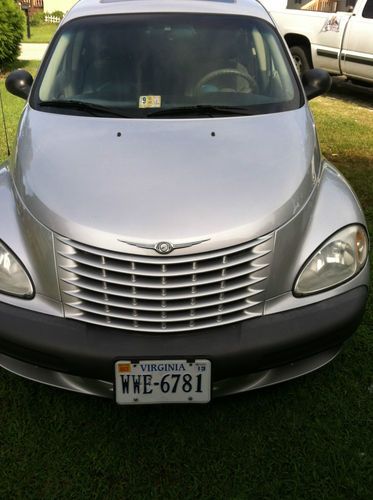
[100, 180]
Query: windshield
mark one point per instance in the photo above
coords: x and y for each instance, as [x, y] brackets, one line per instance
[147, 65]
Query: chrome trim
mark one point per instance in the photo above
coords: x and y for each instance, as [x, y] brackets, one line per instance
[163, 294]
[164, 247]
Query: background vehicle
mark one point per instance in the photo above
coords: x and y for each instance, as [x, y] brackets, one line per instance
[334, 35]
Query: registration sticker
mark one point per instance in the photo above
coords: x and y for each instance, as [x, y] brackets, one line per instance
[124, 367]
[162, 381]
[150, 101]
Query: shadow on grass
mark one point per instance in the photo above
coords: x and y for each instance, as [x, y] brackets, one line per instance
[359, 173]
[356, 94]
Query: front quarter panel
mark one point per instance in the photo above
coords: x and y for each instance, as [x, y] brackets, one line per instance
[33, 245]
[332, 206]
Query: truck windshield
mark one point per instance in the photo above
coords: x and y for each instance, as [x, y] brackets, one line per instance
[157, 65]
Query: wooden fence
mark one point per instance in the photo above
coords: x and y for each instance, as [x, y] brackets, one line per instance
[321, 5]
[33, 5]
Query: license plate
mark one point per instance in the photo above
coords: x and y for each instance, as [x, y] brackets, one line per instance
[162, 381]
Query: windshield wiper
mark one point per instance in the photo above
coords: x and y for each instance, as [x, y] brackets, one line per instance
[201, 109]
[90, 107]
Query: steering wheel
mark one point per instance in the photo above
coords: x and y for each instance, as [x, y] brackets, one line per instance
[222, 72]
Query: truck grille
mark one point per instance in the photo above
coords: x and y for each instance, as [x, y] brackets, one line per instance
[163, 294]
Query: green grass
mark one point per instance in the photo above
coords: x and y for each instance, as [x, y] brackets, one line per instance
[346, 138]
[40, 34]
[12, 107]
[311, 438]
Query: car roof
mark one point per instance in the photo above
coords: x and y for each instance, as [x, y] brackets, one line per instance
[102, 7]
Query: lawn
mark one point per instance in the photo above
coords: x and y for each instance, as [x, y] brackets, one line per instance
[12, 106]
[40, 34]
[307, 439]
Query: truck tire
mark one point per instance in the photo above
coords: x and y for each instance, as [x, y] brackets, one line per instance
[301, 59]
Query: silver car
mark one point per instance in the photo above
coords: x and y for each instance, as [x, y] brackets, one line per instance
[169, 229]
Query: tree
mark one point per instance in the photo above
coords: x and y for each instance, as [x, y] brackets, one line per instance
[12, 23]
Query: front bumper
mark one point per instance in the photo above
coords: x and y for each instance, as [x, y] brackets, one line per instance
[271, 348]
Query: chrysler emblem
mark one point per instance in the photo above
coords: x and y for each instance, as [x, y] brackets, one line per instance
[163, 247]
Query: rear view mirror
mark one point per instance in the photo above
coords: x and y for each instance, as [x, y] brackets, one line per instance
[19, 83]
[316, 82]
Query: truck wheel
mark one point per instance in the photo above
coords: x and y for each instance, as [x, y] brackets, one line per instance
[301, 60]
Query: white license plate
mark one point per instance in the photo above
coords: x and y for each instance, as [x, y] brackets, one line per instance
[162, 381]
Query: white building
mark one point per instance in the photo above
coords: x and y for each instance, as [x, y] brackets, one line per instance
[62, 5]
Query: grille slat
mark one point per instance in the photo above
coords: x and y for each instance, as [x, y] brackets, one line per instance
[131, 268]
[159, 318]
[156, 294]
[163, 305]
[156, 259]
[163, 293]
[164, 282]
[159, 328]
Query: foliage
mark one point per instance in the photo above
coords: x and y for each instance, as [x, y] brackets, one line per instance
[37, 19]
[57, 13]
[11, 31]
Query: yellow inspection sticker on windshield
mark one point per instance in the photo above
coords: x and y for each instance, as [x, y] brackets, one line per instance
[150, 101]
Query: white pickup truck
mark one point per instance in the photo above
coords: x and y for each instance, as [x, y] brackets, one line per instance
[334, 35]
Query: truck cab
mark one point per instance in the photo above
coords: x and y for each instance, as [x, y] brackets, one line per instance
[333, 35]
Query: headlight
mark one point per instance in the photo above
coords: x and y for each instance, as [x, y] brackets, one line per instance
[340, 258]
[13, 278]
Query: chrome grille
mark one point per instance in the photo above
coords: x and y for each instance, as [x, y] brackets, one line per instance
[163, 294]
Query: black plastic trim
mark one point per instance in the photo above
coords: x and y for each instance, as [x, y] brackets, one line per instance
[249, 346]
[326, 53]
[357, 59]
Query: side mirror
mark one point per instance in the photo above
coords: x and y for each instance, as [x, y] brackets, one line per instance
[19, 83]
[316, 82]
